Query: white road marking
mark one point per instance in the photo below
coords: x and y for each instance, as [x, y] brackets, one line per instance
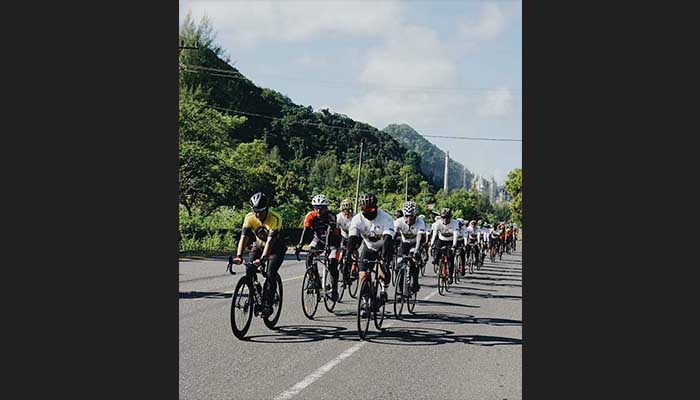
[314, 376]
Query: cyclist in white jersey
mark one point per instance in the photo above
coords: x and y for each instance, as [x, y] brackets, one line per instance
[445, 235]
[411, 231]
[374, 230]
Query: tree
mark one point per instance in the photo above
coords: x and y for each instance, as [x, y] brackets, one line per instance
[514, 186]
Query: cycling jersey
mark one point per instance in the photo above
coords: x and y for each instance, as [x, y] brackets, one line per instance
[319, 225]
[472, 235]
[409, 233]
[372, 232]
[343, 224]
[509, 233]
[252, 226]
[444, 232]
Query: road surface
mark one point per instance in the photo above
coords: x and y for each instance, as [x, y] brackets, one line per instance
[466, 344]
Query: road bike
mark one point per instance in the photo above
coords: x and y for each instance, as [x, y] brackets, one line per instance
[316, 284]
[369, 304]
[403, 291]
[249, 298]
[348, 276]
[444, 273]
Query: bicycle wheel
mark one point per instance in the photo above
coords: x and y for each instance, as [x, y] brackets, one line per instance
[327, 290]
[470, 263]
[399, 294]
[364, 302]
[394, 269]
[379, 313]
[341, 284]
[422, 267]
[310, 294]
[354, 281]
[459, 267]
[440, 279]
[241, 307]
[410, 298]
[271, 320]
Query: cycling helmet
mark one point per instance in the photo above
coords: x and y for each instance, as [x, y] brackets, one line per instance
[346, 204]
[259, 202]
[409, 208]
[368, 200]
[319, 200]
[421, 216]
[446, 213]
[398, 214]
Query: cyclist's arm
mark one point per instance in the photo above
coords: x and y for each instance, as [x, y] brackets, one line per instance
[271, 237]
[419, 237]
[242, 243]
[432, 240]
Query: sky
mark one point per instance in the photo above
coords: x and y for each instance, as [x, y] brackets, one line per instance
[444, 67]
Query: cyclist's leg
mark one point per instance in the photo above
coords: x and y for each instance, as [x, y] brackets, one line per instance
[450, 262]
[255, 253]
[273, 267]
[333, 269]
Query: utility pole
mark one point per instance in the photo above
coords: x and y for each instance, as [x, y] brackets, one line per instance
[357, 187]
[406, 195]
[447, 161]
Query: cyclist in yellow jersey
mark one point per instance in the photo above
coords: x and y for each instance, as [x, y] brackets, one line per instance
[264, 227]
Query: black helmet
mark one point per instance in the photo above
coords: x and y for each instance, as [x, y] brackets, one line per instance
[446, 213]
[368, 199]
[398, 213]
[259, 202]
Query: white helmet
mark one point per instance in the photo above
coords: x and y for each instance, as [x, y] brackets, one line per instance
[319, 200]
[421, 216]
[409, 208]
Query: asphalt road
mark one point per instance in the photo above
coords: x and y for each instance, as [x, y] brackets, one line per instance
[466, 344]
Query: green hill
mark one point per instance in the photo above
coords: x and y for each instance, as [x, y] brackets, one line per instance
[432, 159]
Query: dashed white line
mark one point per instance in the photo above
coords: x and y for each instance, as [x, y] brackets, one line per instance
[312, 377]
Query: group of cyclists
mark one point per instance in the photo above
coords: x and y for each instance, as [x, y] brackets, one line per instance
[353, 243]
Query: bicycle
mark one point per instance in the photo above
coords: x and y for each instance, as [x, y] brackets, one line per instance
[369, 300]
[492, 251]
[443, 275]
[424, 256]
[347, 278]
[248, 299]
[459, 263]
[471, 257]
[313, 288]
[403, 291]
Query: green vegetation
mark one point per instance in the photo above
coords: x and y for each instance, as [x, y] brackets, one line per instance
[226, 156]
[514, 186]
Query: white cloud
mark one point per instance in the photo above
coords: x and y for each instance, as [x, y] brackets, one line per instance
[496, 103]
[412, 60]
[490, 24]
[250, 22]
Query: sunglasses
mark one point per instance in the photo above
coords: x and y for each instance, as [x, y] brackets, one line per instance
[369, 209]
[320, 207]
[259, 210]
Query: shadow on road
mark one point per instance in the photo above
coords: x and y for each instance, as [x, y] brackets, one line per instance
[408, 336]
[209, 295]
[460, 319]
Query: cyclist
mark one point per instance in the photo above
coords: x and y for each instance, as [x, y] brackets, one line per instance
[494, 236]
[483, 239]
[322, 223]
[263, 225]
[374, 228]
[461, 242]
[471, 240]
[515, 236]
[445, 234]
[343, 219]
[411, 231]
[509, 236]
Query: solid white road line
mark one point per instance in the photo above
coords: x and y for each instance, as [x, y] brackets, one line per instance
[312, 377]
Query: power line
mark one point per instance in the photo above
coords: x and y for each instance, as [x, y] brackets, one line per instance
[357, 129]
[234, 75]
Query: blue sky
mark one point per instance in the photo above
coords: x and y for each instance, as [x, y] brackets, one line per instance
[450, 68]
